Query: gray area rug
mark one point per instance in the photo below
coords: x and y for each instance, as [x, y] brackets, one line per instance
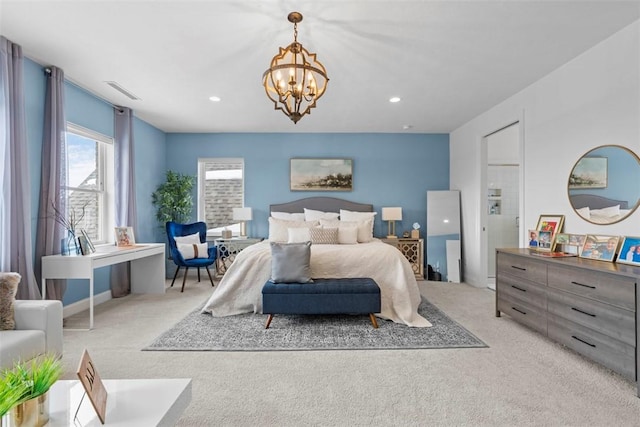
[246, 332]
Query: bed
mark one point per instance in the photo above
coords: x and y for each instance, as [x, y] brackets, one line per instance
[240, 290]
[598, 209]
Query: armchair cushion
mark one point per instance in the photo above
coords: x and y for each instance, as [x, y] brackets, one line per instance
[193, 250]
[8, 288]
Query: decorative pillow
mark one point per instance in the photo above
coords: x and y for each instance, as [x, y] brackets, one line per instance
[286, 216]
[191, 238]
[324, 236]
[193, 250]
[279, 228]
[365, 228]
[347, 235]
[291, 262]
[330, 223]
[313, 215]
[8, 288]
[298, 235]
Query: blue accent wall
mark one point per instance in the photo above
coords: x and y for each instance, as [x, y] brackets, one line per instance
[388, 169]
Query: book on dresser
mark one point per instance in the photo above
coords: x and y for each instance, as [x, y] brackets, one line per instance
[586, 305]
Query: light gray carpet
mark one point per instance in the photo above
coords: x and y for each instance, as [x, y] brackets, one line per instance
[246, 332]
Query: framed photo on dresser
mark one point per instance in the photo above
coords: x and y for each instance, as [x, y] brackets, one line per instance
[600, 247]
[629, 250]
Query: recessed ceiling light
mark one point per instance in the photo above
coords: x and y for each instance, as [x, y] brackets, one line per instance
[407, 127]
[394, 99]
[214, 98]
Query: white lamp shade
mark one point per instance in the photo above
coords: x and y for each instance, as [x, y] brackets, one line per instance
[242, 214]
[392, 214]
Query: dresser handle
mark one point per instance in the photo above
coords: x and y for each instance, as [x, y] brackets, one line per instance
[583, 341]
[520, 289]
[586, 286]
[519, 268]
[583, 312]
[519, 311]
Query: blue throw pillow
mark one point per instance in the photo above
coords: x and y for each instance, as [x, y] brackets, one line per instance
[290, 262]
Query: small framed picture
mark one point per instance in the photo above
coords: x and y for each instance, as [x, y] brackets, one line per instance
[629, 251]
[88, 243]
[533, 239]
[600, 247]
[124, 236]
[545, 240]
[552, 224]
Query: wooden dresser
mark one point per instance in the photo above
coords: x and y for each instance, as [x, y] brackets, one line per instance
[589, 306]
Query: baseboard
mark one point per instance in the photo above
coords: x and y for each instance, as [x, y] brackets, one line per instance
[82, 305]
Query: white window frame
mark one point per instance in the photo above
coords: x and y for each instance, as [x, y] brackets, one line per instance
[105, 179]
[201, 186]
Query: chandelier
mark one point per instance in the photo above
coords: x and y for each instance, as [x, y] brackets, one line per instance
[295, 80]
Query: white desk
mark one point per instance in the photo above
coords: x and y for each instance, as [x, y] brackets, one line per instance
[140, 403]
[147, 268]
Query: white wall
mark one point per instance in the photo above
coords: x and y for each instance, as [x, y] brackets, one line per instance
[590, 101]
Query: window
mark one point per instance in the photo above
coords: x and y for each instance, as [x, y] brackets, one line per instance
[220, 189]
[90, 181]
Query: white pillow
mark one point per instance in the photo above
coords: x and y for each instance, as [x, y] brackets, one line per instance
[278, 228]
[584, 212]
[365, 229]
[329, 223]
[288, 216]
[356, 216]
[191, 238]
[193, 250]
[347, 235]
[298, 235]
[313, 215]
[608, 212]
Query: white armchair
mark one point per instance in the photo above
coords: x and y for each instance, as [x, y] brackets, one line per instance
[38, 331]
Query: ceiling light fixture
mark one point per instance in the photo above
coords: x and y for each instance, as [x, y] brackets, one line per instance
[296, 79]
[394, 99]
[214, 98]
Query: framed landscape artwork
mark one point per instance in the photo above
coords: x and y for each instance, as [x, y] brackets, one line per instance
[600, 247]
[321, 174]
[629, 251]
[589, 172]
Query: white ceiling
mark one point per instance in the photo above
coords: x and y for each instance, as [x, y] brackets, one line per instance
[448, 60]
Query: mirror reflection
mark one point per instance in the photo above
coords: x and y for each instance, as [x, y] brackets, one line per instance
[604, 184]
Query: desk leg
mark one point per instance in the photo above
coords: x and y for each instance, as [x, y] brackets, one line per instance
[44, 287]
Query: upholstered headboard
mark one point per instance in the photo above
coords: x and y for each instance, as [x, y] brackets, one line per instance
[326, 204]
[592, 201]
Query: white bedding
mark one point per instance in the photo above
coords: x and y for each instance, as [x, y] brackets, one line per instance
[240, 290]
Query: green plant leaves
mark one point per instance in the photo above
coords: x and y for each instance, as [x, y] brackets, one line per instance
[173, 198]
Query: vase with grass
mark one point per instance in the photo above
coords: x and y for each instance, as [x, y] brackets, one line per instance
[24, 391]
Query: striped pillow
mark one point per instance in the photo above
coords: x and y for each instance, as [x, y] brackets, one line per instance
[324, 236]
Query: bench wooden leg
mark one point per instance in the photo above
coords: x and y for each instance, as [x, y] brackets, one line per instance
[373, 320]
[269, 319]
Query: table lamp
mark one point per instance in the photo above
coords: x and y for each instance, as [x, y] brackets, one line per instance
[242, 215]
[392, 215]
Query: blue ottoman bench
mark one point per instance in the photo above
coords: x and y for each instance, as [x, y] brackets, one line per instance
[359, 295]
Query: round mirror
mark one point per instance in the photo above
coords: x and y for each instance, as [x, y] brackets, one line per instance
[604, 184]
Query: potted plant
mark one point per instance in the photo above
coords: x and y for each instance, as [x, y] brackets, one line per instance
[23, 390]
[172, 198]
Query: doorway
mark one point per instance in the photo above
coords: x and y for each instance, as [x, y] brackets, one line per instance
[502, 194]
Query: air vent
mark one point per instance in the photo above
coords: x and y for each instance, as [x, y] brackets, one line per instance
[122, 90]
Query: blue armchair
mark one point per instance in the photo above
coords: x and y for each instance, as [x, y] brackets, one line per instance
[175, 229]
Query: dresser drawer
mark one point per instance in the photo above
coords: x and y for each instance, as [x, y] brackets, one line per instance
[606, 319]
[600, 348]
[616, 290]
[523, 290]
[520, 311]
[521, 267]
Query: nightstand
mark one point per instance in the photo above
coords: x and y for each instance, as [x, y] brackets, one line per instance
[413, 251]
[229, 248]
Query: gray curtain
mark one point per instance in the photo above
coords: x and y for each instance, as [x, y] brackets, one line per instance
[53, 178]
[125, 193]
[15, 214]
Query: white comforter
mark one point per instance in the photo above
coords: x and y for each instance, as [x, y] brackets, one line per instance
[240, 290]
